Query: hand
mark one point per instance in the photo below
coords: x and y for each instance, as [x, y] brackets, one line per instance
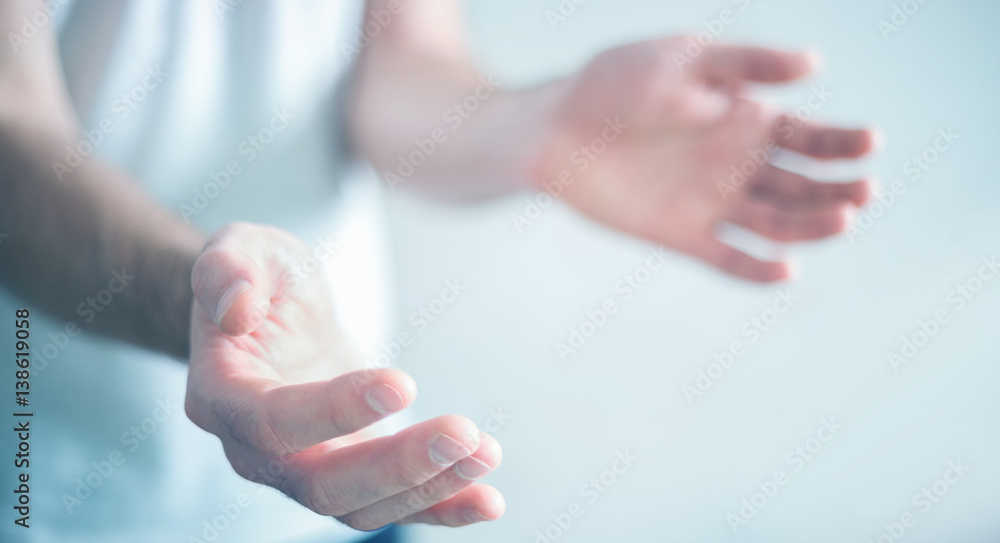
[273, 376]
[668, 175]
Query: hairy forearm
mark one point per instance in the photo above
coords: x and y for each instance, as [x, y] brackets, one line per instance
[90, 247]
[71, 242]
[436, 123]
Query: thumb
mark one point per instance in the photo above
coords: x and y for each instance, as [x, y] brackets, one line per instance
[232, 288]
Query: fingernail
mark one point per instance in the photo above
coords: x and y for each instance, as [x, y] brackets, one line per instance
[229, 297]
[473, 515]
[472, 468]
[447, 451]
[384, 399]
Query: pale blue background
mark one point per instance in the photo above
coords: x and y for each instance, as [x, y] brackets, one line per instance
[494, 348]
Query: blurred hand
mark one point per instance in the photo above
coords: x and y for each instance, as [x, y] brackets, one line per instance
[273, 376]
[674, 127]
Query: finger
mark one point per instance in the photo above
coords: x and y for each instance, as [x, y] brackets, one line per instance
[825, 142]
[791, 225]
[236, 274]
[735, 262]
[339, 481]
[289, 419]
[478, 503]
[442, 487]
[722, 64]
[790, 190]
[232, 289]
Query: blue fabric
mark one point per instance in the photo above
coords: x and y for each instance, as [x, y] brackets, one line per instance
[392, 534]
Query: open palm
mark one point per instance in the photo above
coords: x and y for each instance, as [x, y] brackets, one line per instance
[273, 376]
[662, 146]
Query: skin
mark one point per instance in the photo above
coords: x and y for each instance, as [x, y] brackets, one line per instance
[270, 372]
[274, 385]
[688, 126]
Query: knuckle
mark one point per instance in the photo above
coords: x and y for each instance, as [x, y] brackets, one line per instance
[250, 426]
[404, 473]
[319, 498]
[341, 417]
[264, 436]
[418, 499]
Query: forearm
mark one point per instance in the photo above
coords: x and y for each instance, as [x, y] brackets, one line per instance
[68, 240]
[430, 120]
[73, 245]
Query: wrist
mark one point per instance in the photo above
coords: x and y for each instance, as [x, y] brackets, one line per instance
[168, 297]
[546, 151]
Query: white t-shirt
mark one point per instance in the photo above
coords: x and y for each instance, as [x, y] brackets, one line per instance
[175, 92]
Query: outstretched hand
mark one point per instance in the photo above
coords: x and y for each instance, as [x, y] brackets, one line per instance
[273, 376]
[674, 131]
